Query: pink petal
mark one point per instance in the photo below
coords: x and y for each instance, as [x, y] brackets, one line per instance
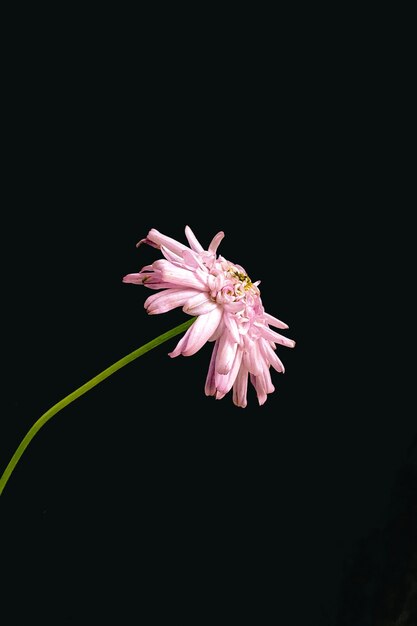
[179, 276]
[266, 379]
[191, 260]
[193, 241]
[166, 300]
[251, 357]
[230, 322]
[219, 331]
[148, 242]
[171, 256]
[240, 387]
[267, 333]
[274, 321]
[234, 307]
[224, 382]
[210, 387]
[271, 356]
[260, 391]
[226, 354]
[135, 279]
[215, 242]
[201, 330]
[157, 239]
[197, 335]
[199, 304]
[147, 268]
[203, 276]
[148, 276]
[180, 345]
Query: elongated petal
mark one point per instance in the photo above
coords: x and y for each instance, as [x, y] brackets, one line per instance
[199, 304]
[271, 356]
[135, 279]
[192, 260]
[251, 358]
[274, 321]
[180, 345]
[147, 268]
[218, 332]
[210, 386]
[157, 239]
[276, 337]
[193, 241]
[266, 378]
[260, 390]
[197, 335]
[232, 326]
[171, 256]
[226, 353]
[148, 243]
[164, 301]
[201, 330]
[240, 388]
[224, 382]
[216, 242]
[179, 276]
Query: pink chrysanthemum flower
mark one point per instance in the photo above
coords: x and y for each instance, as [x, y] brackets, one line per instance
[229, 312]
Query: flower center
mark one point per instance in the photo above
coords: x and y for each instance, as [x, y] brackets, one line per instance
[230, 284]
[243, 279]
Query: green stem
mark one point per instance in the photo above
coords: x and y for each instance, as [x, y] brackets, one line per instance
[83, 389]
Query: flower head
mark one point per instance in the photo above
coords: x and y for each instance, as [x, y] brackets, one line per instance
[229, 312]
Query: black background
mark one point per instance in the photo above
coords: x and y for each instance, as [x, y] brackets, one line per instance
[145, 499]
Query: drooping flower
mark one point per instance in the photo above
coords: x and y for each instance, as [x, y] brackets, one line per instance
[228, 308]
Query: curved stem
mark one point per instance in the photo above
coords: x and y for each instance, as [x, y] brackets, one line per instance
[83, 389]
